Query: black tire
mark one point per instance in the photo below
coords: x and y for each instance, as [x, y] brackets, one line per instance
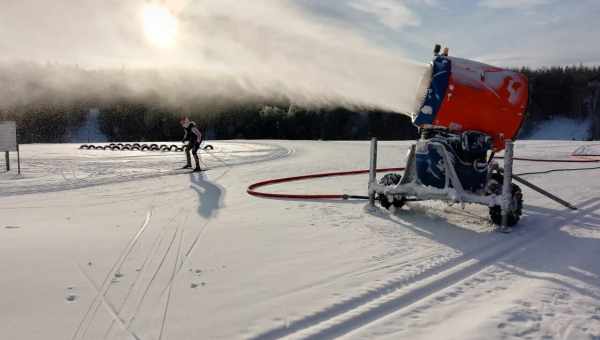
[385, 202]
[84, 147]
[135, 148]
[179, 149]
[514, 215]
[112, 144]
[136, 145]
[209, 147]
[126, 148]
[114, 148]
[145, 148]
[173, 147]
[120, 145]
[389, 180]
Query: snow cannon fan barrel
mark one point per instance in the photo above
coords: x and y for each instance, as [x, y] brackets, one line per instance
[463, 95]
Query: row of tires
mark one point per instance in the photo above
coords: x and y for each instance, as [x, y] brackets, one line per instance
[137, 147]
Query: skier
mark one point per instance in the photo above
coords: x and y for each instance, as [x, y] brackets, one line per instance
[193, 137]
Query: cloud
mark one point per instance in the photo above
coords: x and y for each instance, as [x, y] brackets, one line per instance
[512, 4]
[267, 48]
[391, 13]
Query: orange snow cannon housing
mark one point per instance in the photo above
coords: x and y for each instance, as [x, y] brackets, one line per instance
[465, 95]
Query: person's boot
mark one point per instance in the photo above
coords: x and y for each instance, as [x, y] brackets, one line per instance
[198, 169]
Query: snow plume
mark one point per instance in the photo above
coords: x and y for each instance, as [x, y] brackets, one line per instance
[254, 49]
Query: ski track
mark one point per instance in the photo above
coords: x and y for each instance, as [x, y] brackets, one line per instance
[105, 287]
[110, 170]
[118, 314]
[147, 259]
[361, 311]
[432, 272]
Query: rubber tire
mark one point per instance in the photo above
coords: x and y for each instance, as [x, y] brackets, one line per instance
[209, 147]
[173, 147]
[115, 148]
[389, 180]
[145, 147]
[515, 215]
[84, 147]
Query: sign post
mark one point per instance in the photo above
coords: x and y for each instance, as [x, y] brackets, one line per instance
[8, 142]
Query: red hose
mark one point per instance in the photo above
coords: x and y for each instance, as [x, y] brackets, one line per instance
[251, 189]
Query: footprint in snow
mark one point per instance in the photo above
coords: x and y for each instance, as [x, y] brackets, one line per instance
[71, 295]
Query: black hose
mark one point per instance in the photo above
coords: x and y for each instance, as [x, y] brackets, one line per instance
[557, 170]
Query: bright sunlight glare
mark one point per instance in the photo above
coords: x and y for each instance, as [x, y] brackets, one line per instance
[160, 25]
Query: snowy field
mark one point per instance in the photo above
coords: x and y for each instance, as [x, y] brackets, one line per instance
[120, 245]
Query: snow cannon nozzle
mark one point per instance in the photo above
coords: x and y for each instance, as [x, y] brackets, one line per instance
[465, 95]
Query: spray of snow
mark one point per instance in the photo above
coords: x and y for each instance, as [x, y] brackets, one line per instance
[258, 49]
[560, 128]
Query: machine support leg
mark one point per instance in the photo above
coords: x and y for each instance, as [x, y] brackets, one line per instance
[544, 192]
[507, 182]
[7, 159]
[372, 172]
[18, 160]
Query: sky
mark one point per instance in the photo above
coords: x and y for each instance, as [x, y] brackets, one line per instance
[370, 53]
[503, 32]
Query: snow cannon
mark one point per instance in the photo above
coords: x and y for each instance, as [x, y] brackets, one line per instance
[466, 113]
[463, 95]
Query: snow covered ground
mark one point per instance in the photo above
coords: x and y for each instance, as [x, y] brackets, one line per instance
[105, 245]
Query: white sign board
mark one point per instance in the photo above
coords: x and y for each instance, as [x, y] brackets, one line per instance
[8, 136]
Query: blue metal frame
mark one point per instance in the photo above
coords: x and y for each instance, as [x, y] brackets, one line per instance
[436, 92]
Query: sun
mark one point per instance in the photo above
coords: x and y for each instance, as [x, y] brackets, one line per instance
[160, 25]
